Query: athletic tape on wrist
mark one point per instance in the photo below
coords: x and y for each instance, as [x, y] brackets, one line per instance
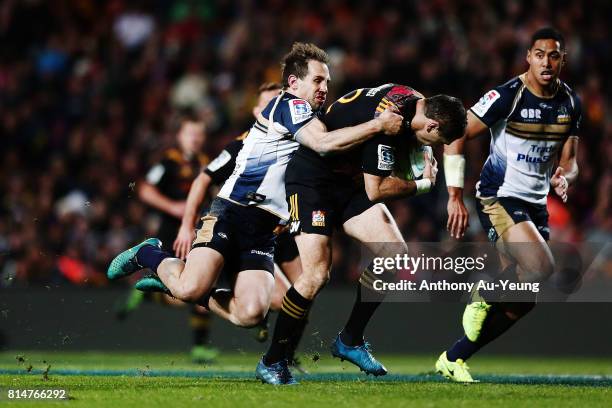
[454, 170]
[423, 186]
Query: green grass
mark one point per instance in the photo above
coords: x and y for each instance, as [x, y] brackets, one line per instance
[163, 380]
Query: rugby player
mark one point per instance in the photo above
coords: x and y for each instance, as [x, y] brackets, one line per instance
[286, 258]
[238, 232]
[343, 191]
[165, 188]
[533, 120]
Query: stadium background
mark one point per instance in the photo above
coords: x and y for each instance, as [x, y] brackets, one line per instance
[88, 89]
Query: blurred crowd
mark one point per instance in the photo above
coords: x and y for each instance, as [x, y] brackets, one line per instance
[88, 88]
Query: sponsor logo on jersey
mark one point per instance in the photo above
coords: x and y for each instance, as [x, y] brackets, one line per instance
[222, 235]
[300, 110]
[386, 157]
[483, 105]
[537, 154]
[221, 160]
[318, 218]
[563, 115]
[531, 113]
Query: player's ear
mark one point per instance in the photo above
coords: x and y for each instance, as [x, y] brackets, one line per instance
[292, 81]
[432, 125]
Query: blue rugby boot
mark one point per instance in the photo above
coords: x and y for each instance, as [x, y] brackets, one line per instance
[358, 355]
[152, 283]
[275, 374]
[125, 263]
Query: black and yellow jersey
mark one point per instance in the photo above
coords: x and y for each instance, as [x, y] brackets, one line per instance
[376, 156]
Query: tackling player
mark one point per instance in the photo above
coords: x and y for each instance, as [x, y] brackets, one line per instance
[238, 232]
[533, 119]
[286, 257]
[343, 191]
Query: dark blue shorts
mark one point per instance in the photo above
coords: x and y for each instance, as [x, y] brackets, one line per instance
[497, 214]
[244, 236]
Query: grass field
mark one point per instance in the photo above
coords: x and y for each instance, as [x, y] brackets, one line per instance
[164, 380]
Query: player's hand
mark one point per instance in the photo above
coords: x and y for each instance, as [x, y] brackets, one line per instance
[559, 183]
[390, 121]
[183, 241]
[458, 216]
[431, 168]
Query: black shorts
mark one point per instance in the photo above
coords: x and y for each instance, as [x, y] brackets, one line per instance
[285, 250]
[320, 210]
[497, 214]
[244, 236]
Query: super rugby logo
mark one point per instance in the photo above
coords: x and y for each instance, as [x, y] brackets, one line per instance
[386, 157]
[300, 110]
[485, 103]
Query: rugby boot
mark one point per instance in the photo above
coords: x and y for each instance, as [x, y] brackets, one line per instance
[275, 374]
[457, 371]
[125, 263]
[359, 355]
[474, 316]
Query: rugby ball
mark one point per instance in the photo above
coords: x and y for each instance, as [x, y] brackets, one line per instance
[410, 161]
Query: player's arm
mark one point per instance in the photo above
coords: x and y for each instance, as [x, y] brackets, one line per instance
[315, 135]
[186, 233]
[567, 172]
[150, 194]
[454, 172]
[381, 188]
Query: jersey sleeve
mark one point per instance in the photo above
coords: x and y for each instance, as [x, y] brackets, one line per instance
[494, 105]
[223, 165]
[293, 115]
[378, 156]
[159, 172]
[576, 116]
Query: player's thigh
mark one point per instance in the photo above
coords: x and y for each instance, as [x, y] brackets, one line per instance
[525, 245]
[377, 230]
[202, 268]
[253, 292]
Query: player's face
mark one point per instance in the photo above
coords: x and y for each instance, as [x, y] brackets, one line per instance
[191, 137]
[545, 60]
[313, 87]
[429, 137]
[264, 98]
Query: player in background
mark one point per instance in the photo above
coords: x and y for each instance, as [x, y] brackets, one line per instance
[286, 258]
[533, 120]
[347, 191]
[238, 232]
[165, 189]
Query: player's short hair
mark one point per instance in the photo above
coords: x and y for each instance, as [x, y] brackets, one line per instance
[547, 33]
[269, 86]
[183, 116]
[450, 114]
[296, 61]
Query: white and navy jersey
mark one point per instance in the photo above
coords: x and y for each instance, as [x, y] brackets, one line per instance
[527, 134]
[259, 176]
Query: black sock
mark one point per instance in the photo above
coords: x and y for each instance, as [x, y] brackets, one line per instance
[150, 256]
[293, 311]
[296, 337]
[496, 324]
[200, 326]
[352, 334]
